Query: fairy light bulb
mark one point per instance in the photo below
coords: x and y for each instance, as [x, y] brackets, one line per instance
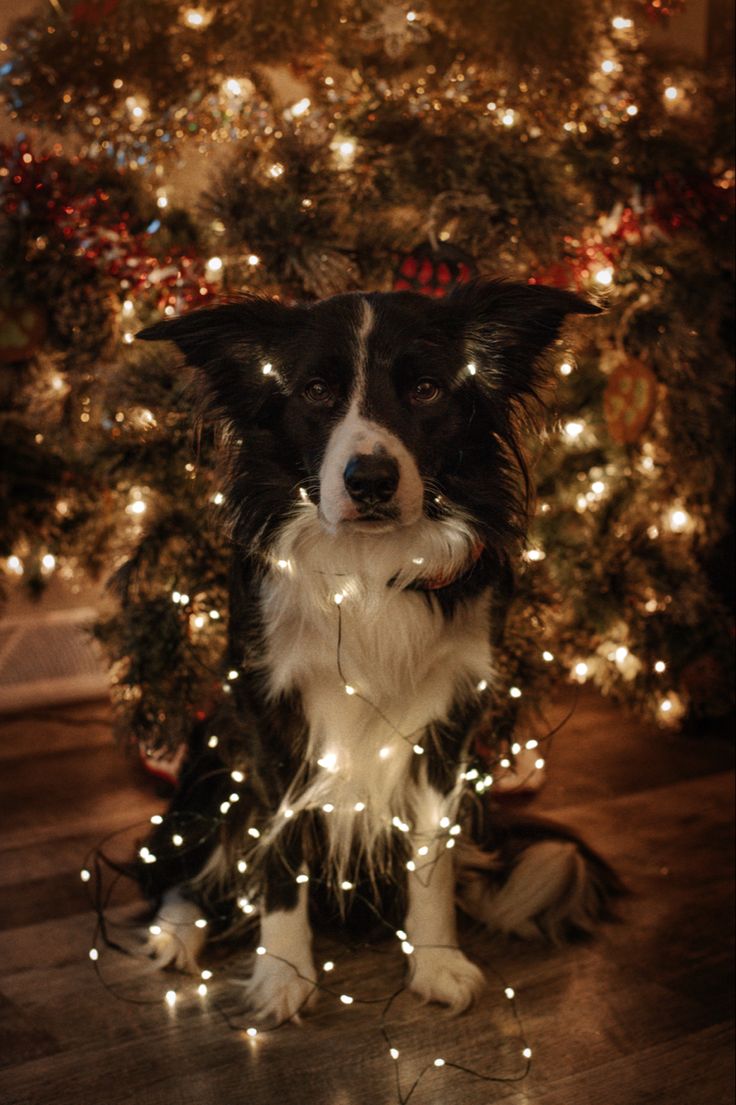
[439, 1062]
[671, 93]
[608, 66]
[252, 1032]
[621, 23]
[214, 265]
[632, 110]
[338, 598]
[472, 368]
[508, 118]
[267, 368]
[202, 989]
[565, 368]
[253, 259]
[242, 866]
[349, 690]
[170, 998]
[678, 520]
[15, 565]
[515, 692]
[573, 430]
[483, 685]
[510, 993]
[581, 670]
[302, 879]
[393, 1052]
[196, 18]
[301, 107]
[177, 840]
[346, 999]
[527, 1053]
[206, 975]
[660, 666]
[328, 761]
[328, 966]
[547, 656]
[604, 276]
[94, 954]
[276, 170]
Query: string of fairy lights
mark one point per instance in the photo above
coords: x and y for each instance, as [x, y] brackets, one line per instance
[201, 989]
[421, 866]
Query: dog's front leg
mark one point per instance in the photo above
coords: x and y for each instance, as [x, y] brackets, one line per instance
[283, 982]
[438, 970]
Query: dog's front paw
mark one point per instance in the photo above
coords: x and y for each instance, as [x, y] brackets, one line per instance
[445, 975]
[277, 991]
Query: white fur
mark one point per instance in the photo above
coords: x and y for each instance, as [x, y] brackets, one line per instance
[404, 660]
[438, 970]
[179, 942]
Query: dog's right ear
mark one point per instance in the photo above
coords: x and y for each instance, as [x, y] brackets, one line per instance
[240, 349]
[238, 331]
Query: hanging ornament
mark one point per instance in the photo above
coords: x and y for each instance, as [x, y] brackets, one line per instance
[629, 401]
[396, 27]
[22, 329]
[661, 10]
[93, 11]
[434, 272]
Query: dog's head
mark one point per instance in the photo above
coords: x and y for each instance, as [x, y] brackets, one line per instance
[385, 407]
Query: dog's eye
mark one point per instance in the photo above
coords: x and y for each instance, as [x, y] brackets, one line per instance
[425, 391]
[317, 391]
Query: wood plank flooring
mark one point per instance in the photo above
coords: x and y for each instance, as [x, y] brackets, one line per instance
[641, 1016]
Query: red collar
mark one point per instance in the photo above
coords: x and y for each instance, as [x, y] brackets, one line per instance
[438, 582]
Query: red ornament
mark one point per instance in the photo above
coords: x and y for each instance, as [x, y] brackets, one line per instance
[434, 272]
[93, 11]
[629, 401]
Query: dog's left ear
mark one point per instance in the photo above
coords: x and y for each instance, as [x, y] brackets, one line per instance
[507, 327]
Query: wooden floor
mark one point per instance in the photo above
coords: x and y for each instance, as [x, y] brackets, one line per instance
[642, 1015]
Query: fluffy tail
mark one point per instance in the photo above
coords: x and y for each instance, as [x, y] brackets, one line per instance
[530, 877]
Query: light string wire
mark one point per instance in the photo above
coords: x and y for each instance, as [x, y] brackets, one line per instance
[102, 899]
[101, 902]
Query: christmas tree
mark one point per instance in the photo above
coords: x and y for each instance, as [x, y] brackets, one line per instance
[307, 148]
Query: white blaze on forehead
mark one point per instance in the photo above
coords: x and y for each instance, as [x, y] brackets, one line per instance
[356, 435]
[363, 329]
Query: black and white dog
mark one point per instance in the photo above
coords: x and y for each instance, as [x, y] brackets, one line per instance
[377, 494]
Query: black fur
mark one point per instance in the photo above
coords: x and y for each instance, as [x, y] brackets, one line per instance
[467, 447]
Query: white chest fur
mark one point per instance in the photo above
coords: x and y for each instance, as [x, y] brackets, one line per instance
[374, 669]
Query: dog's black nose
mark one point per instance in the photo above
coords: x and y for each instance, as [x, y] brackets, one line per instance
[371, 478]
